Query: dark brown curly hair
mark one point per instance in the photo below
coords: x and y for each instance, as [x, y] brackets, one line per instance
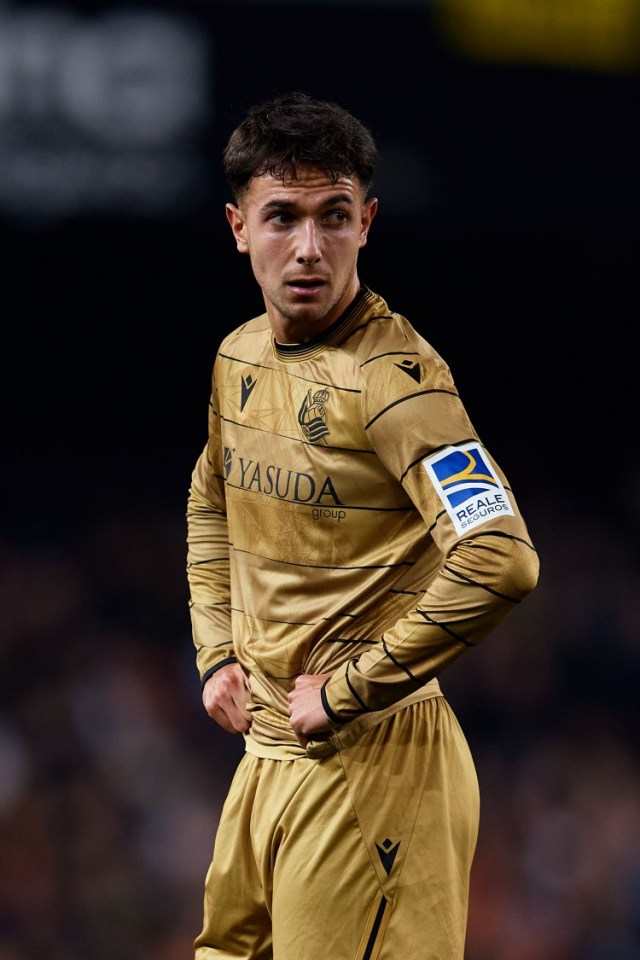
[293, 130]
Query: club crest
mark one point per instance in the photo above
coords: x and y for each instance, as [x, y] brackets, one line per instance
[312, 416]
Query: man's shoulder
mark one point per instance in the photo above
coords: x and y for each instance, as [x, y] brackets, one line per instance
[384, 332]
[244, 335]
[395, 359]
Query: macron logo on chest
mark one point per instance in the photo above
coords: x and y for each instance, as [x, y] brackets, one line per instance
[246, 389]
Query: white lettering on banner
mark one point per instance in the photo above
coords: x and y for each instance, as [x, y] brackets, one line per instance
[100, 111]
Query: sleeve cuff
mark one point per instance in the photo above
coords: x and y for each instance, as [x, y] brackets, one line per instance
[325, 703]
[210, 672]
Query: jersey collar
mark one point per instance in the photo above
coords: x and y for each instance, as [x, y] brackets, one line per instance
[338, 330]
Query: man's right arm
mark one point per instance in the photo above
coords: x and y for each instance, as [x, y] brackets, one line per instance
[224, 685]
[208, 568]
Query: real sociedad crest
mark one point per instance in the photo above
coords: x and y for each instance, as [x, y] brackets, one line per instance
[312, 416]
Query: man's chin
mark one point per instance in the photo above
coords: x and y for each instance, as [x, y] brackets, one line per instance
[305, 313]
[303, 324]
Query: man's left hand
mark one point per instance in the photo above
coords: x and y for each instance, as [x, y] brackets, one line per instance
[308, 716]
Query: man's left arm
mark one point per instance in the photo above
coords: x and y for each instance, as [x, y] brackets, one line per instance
[308, 715]
[488, 565]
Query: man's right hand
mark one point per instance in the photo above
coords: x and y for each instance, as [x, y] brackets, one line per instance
[225, 696]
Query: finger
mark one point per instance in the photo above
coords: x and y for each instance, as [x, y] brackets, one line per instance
[231, 718]
[241, 708]
[221, 718]
[229, 711]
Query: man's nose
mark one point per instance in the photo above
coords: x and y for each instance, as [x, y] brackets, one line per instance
[308, 243]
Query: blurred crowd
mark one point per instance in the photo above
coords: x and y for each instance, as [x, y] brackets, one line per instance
[112, 777]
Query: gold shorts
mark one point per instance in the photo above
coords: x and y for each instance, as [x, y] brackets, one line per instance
[362, 855]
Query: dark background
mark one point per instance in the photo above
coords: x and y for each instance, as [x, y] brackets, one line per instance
[507, 234]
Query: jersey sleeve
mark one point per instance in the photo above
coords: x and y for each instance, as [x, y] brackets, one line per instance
[420, 429]
[208, 572]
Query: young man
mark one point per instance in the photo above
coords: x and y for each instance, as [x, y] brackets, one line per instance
[349, 537]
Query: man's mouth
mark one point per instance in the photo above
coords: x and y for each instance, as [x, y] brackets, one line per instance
[307, 282]
[306, 285]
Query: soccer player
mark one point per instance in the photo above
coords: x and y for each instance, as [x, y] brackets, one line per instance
[349, 537]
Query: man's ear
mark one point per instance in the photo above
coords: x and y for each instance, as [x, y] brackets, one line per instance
[369, 211]
[238, 228]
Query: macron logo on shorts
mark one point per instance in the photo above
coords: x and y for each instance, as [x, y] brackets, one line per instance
[468, 486]
[387, 851]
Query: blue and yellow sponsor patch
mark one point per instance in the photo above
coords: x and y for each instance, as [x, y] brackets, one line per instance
[468, 486]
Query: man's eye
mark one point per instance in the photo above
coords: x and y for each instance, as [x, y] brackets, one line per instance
[280, 218]
[336, 216]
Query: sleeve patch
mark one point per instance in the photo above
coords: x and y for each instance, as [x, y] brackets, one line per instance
[468, 486]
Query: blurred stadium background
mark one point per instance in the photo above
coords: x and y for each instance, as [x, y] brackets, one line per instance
[508, 234]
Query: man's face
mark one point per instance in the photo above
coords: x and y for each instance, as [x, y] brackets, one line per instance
[303, 238]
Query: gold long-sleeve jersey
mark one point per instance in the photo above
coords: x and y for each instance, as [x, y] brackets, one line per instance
[345, 518]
